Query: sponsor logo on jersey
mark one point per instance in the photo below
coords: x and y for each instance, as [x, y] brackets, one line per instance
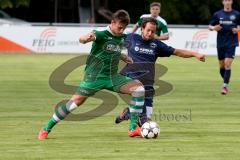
[144, 50]
[226, 22]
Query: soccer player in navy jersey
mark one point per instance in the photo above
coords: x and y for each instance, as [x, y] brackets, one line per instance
[226, 22]
[144, 49]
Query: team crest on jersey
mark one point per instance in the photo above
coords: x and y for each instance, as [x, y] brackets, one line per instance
[232, 17]
[153, 45]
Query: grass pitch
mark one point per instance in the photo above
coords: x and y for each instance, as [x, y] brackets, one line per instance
[196, 121]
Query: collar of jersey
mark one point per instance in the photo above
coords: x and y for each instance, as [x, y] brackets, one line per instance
[109, 30]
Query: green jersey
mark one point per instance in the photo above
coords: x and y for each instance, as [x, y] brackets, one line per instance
[162, 24]
[105, 54]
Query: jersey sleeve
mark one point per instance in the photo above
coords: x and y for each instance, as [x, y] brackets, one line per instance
[140, 22]
[164, 50]
[164, 28]
[127, 41]
[214, 20]
[98, 34]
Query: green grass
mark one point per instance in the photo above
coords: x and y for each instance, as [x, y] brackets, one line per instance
[26, 103]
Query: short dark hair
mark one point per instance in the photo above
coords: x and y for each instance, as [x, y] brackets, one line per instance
[122, 16]
[153, 4]
[149, 20]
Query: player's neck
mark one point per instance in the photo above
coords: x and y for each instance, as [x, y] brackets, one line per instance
[154, 16]
[227, 9]
[145, 39]
[109, 28]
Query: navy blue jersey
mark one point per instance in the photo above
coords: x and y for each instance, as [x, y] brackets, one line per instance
[144, 55]
[228, 21]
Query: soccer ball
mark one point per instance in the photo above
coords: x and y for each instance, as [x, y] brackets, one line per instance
[150, 130]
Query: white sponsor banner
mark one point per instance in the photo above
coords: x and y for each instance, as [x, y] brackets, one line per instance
[48, 39]
[195, 39]
[43, 39]
[200, 40]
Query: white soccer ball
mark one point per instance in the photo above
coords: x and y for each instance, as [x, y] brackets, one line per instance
[150, 130]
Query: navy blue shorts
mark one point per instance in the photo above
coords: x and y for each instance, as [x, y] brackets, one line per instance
[226, 52]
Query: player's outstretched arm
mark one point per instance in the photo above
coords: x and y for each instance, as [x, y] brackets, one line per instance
[87, 38]
[188, 54]
[161, 37]
[126, 59]
[135, 27]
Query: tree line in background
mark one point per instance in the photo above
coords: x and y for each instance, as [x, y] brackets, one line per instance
[13, 3]
[190, 11]
[174, 11]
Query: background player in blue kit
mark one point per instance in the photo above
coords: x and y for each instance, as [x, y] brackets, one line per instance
[226, 22]
[144, 49]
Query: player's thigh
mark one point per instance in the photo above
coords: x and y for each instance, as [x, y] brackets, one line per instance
[89, 88]
[115, 82]
[130, 87]
[230, 52]
[221, 53]
[226, 52]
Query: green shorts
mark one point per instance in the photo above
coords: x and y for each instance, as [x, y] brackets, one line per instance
[89, 86]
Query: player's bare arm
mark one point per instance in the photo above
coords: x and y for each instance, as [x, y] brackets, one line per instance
[87, 38]
[135, 27]
[188, 54]
[126, 59]
[161, 37]
[217, 27]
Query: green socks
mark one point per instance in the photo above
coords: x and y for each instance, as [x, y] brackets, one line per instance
[60, 113]
[135, 108]
[51, 123]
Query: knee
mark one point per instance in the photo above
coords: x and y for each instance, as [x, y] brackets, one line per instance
[227, 66]
[138, 91]
[78, 100]
[228, 63]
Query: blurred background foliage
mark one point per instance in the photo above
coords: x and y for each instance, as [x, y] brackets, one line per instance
[173, 11]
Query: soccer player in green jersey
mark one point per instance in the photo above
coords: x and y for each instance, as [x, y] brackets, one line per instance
[101, 73]
[162, 29]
